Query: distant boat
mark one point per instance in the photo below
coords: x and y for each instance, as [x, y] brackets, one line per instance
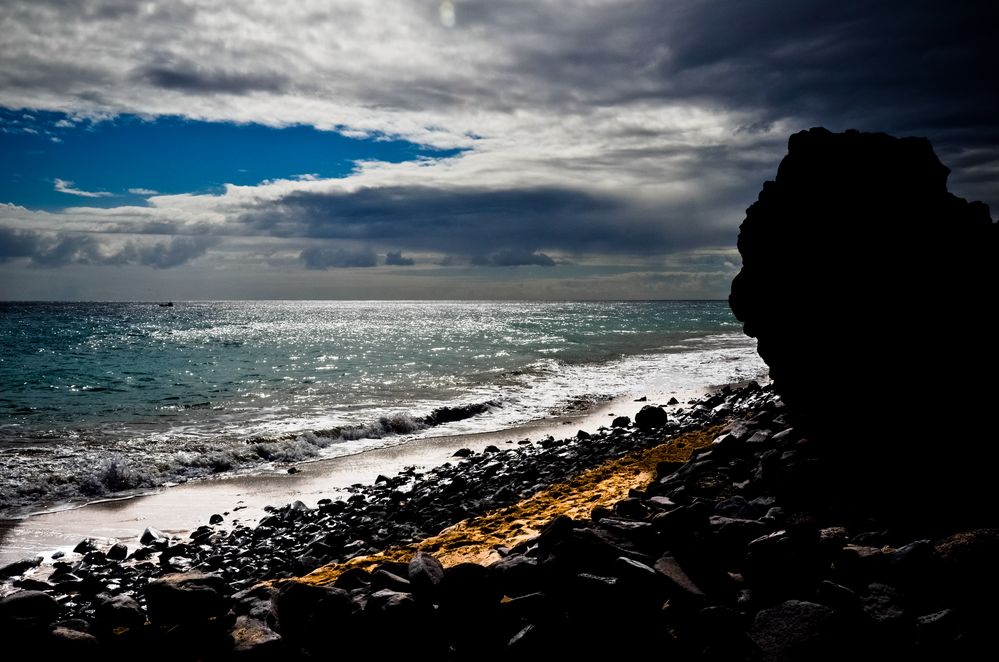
[168, 304]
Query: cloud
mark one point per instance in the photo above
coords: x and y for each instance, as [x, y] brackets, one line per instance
[396, 259]
[605, 132]
[317, 257]
[513, 258]
[61, 249]
[64, 186]
[143, 191]
[198, 79]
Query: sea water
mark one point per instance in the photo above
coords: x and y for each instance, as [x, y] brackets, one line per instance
[97, 399]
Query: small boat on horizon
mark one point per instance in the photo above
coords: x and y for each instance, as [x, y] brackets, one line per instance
[168, 304]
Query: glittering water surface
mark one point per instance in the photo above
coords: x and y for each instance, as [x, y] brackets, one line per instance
[101, 397]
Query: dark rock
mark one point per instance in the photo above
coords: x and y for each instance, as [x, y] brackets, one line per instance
[216, 519]
[27, 609]
[796, 630]
[678, 584]
[118, 552]
[383, 579]
[425, 574]
[85, 545]
[859, 226]
[673, 401]
[119, 611]
[650, 417]
[186, 598]
[253, 639]
[69, 642]
[621, 422]
[20, 567]
[153, 536]
[516, 575]
[582, 434]
[305, 612]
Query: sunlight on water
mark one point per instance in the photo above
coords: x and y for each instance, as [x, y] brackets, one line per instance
[202, 387]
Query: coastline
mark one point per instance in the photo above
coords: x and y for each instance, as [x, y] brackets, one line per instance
[180, 509]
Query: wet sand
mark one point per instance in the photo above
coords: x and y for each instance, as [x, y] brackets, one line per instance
[180, 509]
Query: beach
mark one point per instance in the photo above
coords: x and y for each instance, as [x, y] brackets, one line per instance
[180, 509]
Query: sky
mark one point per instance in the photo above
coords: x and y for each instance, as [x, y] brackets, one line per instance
[472, 149]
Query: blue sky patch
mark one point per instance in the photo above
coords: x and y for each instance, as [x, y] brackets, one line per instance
[49, 161]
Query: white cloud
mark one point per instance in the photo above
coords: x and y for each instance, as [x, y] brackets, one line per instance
[65, 186]
[143, 191]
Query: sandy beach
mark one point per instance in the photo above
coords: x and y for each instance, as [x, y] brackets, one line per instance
[182, 508]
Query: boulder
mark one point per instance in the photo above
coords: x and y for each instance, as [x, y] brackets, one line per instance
[650, 417]
[184, 598]
[839, 253]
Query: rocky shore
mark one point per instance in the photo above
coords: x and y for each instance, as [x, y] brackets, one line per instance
[733, 528]
[750, 549]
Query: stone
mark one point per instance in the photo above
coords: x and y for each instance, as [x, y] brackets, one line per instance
[118, 552]
[795, 630]
[678, 584]
[69, 642]
[183, 598]
[649, 417]
[304, 612]
[860, 226]
[85, 545]
[28, 609]
[216, 519]
[425, 574]
[20, 567]
[252, 639]
[621, 422]
[152, 536]
[119, 611]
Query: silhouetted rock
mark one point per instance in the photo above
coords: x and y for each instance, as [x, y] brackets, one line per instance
[650, 417]
[863, 277]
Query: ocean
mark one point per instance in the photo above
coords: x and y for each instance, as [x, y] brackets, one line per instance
[104, 399]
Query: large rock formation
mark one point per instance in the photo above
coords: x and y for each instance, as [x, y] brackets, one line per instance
[863, 278]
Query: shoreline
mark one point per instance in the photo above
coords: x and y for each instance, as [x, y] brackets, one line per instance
[180, 509]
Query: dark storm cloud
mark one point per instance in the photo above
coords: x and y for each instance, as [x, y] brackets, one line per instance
[475, 222]
[397, 260]
[513, 258]
[173, 253]
[319, 258]
[198, 79]
[913, 66]
[58, 250]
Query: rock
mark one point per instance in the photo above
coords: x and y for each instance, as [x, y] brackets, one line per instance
[516, 575]
[184, 598]
[621, 422]
[582, 434]
[383, 579]
[305, 612]
[119, 611]
[27, 609]
[68, 642]
[859, 226]
[85, 545]
[650, 417]
[425, 575]
[463, 452]
[20, 567]
[216, 519]
[678, 584]
[153, 536]
[252, 639]
[118, 552]
[673, 401]
[795, 630]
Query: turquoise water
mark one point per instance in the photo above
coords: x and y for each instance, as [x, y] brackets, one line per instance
[97, 398]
